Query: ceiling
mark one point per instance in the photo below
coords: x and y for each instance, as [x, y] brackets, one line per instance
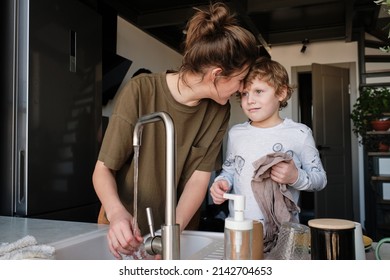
[274, 22]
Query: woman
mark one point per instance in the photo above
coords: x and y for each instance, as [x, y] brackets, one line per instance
[217, 56]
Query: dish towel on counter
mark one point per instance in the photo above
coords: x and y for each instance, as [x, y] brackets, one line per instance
[25, 248]
[274, 199]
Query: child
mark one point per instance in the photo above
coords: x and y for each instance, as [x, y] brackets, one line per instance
[269, 160]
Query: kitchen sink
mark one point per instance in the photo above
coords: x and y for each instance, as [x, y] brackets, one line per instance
[194, 245]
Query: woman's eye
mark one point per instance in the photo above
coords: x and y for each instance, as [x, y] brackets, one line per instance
[259, 91]
[243, 94]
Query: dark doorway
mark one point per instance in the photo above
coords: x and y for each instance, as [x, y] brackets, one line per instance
[306, 117]
[324, 106]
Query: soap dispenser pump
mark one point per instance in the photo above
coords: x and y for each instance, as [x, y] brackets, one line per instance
[238, 231]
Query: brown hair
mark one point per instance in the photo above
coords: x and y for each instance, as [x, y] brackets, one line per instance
[274, 74]
[214, 38]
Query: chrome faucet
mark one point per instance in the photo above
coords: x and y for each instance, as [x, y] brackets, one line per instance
[168, 244]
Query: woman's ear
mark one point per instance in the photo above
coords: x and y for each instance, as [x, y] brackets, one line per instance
[215, 72]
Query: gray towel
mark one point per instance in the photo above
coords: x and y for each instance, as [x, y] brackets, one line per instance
[25, 248]
[275, 200]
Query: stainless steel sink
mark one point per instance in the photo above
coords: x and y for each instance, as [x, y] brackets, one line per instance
[194, 245]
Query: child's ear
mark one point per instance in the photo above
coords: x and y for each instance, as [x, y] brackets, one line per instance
[282, 93]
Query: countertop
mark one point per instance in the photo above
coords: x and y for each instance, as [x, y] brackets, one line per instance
[45, 231]
[50, 231]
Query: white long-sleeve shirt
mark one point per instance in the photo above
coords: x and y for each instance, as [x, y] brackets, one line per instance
[247, 144]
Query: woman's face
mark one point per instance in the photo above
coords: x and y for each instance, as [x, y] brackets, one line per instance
[225, 87]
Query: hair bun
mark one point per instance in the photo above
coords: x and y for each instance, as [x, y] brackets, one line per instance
[219, 18]
[214, 38]
[209, 21]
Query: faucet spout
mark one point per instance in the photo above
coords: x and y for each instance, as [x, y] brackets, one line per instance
[170, 230]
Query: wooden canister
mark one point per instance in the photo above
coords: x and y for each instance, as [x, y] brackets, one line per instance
[257, 241]
[332, 239]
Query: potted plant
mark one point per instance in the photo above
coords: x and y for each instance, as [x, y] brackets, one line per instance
[371, 107]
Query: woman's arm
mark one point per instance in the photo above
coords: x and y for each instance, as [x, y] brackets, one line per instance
[192, 197]
[121, 239]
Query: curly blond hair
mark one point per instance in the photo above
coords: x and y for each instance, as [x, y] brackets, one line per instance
[274, 74]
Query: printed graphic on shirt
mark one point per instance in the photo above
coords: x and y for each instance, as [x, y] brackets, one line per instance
[278, 147]
[239, 164]
[237, 161]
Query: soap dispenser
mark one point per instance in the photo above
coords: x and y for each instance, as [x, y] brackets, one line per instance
[238, 231]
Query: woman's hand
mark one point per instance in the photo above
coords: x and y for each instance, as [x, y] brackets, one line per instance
[217, 190]
[123, 239]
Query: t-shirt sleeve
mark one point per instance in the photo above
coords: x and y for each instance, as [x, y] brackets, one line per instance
[311, 176]
[117, 145]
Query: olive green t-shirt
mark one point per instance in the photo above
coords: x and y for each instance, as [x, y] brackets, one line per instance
[199, 134]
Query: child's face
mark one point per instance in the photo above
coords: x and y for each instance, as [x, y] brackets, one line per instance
[261, 104]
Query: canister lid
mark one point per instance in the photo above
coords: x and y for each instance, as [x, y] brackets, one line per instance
[335, 224]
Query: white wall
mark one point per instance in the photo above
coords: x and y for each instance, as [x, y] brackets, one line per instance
[144, 51]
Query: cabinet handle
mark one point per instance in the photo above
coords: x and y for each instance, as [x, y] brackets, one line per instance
[21, 194]
[72, 51]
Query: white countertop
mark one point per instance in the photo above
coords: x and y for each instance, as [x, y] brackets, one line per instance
[50, 231]
[45, 231]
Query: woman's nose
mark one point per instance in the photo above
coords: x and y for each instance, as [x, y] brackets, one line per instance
[241, 87]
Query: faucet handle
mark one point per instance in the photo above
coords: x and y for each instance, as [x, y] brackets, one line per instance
[149, 216]
[153, 244]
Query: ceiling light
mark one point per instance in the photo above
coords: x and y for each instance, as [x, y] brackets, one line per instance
[305, 42]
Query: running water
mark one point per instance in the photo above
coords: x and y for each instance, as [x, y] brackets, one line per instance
[135, 203]
[140, 253]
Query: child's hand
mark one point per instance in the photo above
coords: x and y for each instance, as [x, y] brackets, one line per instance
[284, 172]
[217, 190]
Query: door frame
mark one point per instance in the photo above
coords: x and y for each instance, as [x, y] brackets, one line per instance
[356, 150]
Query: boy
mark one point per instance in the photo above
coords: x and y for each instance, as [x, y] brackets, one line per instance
[269, 160]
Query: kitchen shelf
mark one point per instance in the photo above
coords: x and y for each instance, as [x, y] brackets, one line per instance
[377, 190]
[374, 132]
[376, 177]
[378, 154]
[381, 178]
[383, 202]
